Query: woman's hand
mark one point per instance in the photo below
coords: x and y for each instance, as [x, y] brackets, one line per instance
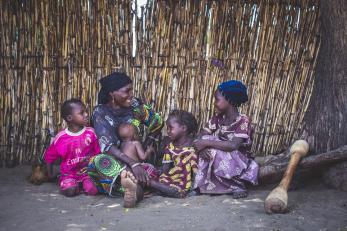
[140, 174]
[200, 145]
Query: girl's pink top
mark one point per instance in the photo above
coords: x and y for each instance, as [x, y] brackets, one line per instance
[74, 150]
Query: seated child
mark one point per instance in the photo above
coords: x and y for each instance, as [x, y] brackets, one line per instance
[180, 160]
[225, 161]
[132, 147]
[75, 145]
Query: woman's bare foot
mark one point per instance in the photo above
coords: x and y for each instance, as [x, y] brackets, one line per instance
[129, 183]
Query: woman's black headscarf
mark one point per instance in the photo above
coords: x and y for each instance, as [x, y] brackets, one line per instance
[234, 91]
[112, 82]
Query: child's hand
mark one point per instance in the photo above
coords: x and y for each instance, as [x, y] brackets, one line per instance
[149, 151]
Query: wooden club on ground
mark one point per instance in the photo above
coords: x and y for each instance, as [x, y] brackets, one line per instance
[277, 200]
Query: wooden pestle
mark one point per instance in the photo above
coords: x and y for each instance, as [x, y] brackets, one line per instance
[277, 200]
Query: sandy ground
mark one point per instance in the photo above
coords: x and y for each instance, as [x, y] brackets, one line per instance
[28, 207]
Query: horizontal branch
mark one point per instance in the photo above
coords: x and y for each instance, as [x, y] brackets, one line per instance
[272, 171]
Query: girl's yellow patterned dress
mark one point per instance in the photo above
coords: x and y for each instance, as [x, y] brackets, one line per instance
[184, 167]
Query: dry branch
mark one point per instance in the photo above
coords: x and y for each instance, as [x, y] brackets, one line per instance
[273, 170]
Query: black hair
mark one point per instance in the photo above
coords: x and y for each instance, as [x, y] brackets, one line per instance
[110, 83]
[66, 107]
[185, 118]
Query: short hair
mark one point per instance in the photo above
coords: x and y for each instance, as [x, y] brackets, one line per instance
[185, 118]
[66, 107]
[125, 128]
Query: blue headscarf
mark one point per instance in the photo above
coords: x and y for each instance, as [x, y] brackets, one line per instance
[234, 91]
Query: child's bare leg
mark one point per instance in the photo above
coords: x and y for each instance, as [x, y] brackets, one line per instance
[133, 192]
[167, 190]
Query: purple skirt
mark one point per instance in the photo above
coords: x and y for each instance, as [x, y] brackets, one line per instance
[226, 172]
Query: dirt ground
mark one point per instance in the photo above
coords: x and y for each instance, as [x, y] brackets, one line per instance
[28, 207]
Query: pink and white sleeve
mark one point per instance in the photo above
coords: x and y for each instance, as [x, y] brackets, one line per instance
[96, 146]
[51, 154]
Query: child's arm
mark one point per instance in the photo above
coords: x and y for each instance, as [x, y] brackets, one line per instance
[96, 146]
[50, 156]
[143, 155]
[167, 159]
[229, 145]
[50, 171]
[166, 167]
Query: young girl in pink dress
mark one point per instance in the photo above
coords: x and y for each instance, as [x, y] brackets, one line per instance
[74, 146]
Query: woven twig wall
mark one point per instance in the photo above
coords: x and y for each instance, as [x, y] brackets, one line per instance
[175, 51]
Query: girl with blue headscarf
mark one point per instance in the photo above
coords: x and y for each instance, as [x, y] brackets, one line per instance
[225, 163]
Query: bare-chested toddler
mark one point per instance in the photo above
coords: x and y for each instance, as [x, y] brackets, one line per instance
[131, 146]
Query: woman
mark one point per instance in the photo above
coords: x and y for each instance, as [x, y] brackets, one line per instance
[225, 162]
[117, 105]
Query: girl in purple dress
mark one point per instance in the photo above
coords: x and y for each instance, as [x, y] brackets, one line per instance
[224, 149]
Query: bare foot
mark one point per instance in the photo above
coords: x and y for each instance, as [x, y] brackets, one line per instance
[175, 193]
[129, 183]
[239, 194]
[181, 194]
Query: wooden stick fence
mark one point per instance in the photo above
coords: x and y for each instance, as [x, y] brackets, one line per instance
[55, 50]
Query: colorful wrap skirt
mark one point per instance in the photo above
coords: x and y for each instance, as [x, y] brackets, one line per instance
[105, 171]
[152, 172]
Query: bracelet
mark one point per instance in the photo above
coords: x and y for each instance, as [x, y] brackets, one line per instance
[134, 165]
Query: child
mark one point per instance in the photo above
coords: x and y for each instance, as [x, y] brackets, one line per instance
[130, 144]
[75, 145]
[225, 162]
[132, 147]
[179, 160]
